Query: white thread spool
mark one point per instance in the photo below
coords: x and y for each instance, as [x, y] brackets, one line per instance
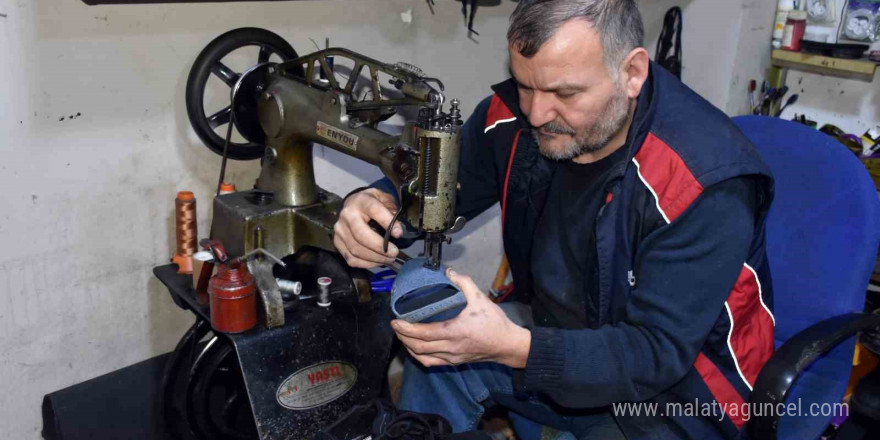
[293, 287]
[324, 296]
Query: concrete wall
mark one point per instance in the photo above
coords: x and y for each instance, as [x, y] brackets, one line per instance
[726, 43]
[852, 105]
[95, 142]
[751, 59]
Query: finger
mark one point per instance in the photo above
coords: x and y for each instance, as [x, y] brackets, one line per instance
[359, 250]
[465, 284]
[397, 229]
[349, 258]
[421, 347]
[352, 229]
[391, 205]
[353, 261]
[388, 200]
[378, 211]
[427, 360]
[354, 249]
[434, 331]
[371, 240]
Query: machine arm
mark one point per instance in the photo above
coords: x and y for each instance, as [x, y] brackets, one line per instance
[296, 110]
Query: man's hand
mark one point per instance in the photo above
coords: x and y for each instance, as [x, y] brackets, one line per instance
[358, 244]
[482, 332]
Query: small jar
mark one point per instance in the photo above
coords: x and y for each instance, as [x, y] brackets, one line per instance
[794, 30]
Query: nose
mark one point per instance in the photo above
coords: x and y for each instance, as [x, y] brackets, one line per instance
[541, 110]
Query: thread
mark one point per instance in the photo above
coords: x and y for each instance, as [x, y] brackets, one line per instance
[293, 287]
[227, 188]
[324, 295]
[186, 229]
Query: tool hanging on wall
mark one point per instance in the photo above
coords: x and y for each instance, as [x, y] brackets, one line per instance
[671, 34]
[468, 17]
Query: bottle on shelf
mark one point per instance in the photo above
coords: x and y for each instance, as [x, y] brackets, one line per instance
[783, 8]
[794, 30]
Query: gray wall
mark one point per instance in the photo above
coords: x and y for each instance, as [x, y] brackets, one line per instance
[852, 105]
[88, 200]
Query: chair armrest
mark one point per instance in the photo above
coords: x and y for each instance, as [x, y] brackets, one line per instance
[781, 372]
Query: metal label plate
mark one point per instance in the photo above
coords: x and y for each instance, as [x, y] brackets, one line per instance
[316, 385]
[338, 136]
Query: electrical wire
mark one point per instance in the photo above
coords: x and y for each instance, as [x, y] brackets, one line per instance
[226, 147]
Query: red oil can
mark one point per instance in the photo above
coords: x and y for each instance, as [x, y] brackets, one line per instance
[233, 299]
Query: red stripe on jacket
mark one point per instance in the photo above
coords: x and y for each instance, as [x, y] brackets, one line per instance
[666, 174]
[498, 113]
[724, 393]
[507, 178]
[751, 335]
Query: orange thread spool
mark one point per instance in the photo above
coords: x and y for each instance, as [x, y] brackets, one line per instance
[227, 188]
[187, 230]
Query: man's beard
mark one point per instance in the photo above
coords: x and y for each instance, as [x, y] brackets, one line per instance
[591, 139]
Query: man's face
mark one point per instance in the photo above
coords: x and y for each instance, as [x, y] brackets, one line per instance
[568, 94]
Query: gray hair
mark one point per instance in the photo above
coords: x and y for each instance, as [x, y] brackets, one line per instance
[618, 23]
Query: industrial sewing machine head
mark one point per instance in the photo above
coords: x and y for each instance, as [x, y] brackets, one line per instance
[296, 110]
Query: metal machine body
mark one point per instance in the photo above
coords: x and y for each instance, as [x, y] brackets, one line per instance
[287, 210]
[284, 383]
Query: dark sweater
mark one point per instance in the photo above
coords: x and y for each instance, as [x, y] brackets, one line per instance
[565, 291]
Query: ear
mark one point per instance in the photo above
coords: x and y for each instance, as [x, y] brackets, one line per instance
[634, 71]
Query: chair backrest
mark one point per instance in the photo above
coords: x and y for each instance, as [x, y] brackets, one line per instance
[823, 232]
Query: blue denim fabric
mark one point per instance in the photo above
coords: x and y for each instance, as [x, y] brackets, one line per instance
[462, 393]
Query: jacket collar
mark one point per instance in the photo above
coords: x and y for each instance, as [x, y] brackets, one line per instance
[646, 107]
[507, 91]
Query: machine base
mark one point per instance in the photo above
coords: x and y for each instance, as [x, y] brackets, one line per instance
[303, 375]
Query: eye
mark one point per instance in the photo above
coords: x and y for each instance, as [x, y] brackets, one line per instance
[566, 95]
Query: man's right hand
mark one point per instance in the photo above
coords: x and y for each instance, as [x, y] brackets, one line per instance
[360, 245]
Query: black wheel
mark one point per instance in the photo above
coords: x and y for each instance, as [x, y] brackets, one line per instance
[209, 62]
[218, 404]
[203, 392]
[175, 382]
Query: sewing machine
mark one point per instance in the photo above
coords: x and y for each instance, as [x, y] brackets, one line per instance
[304, 365]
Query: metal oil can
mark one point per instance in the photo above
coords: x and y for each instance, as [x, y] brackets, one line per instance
[232, 293]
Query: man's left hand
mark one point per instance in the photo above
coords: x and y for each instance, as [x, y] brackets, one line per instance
[480, 333]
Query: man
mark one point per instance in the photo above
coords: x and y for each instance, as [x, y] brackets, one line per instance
[633, 219]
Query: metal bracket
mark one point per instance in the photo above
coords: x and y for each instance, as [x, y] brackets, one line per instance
[270, 294]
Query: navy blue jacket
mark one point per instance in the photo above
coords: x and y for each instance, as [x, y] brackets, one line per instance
[685, 299]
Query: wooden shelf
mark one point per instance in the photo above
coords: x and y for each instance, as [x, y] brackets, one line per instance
[852, 69]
